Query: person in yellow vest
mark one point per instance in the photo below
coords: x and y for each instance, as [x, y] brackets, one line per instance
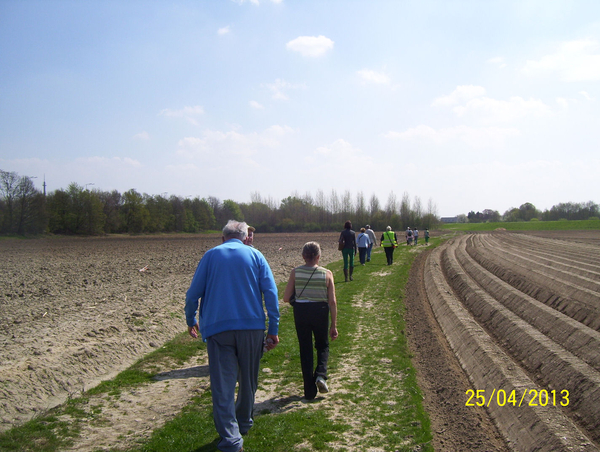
[389, 241]
[314, 301]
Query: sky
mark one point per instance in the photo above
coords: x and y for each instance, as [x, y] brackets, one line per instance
[463, 105]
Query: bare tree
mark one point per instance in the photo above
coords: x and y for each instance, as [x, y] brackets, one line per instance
[361, 209]
[334, 205]
[347, 204]
[9, 182]
[417, 211]
[26, 194]
[405, 213]
[374, 206]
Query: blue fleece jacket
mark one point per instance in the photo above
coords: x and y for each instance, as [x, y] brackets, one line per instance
[231, 280]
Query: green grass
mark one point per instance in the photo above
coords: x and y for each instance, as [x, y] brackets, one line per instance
[375, 404]
[384, 397]
[562, 225]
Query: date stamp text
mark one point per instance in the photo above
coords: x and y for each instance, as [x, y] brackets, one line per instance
[529, 397]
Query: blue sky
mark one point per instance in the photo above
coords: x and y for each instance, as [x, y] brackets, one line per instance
[469, 104]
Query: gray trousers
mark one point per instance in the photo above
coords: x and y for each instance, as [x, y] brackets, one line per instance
[234, 356]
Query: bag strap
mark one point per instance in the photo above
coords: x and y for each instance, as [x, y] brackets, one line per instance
[390, 237]
[311, 275]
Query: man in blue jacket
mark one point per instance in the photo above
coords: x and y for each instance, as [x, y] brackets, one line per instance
[231, 281]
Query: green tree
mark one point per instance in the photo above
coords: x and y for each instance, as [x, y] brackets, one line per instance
[205, 215]
[111, 202]
[160, 213]
[512, 215]
[231, 211]
[93, 214]
[528, 211]
[58, 212]
[134, 212]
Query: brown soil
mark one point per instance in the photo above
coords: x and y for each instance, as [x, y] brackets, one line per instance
[512, 312]
[455, 427]
[76, 311]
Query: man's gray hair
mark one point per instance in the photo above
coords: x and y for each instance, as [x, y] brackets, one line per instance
[235, 230]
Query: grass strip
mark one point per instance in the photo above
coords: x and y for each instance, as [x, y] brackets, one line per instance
[532, 225]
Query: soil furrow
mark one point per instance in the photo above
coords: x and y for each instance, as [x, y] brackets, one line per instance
[527, 428]
[550, 364]
[580, 340]
[588, 283]
[576, 254]
[546, 290]
[554, 259]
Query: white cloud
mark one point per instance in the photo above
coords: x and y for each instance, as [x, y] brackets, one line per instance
[586, 95]
[214, 146]
[185, 111]
[189, 113]
[109, 161]
[143, 136]
[310, 46]
[469, 100]
[460, 94]
[256, 105]
[498, 61]
[369, 76]
[562, 102]
[573, 61]
[280, 86]
[224, 30]
[486, 109]
[475, 137]
[355, 163]
[241, 2]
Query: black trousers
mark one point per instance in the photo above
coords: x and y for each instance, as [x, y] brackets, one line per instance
[312, 319]
[389, 254]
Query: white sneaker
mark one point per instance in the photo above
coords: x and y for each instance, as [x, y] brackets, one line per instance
[322, 385]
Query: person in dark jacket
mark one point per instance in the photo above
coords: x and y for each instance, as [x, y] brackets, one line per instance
[349, 250]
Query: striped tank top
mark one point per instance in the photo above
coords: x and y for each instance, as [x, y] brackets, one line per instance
[316, 289]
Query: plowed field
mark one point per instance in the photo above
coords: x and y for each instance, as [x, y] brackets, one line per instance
[75, 311]
[521, 313]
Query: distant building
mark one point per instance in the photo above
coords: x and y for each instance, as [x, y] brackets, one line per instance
[449, 219]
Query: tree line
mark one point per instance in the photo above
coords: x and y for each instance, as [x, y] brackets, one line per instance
[528, 212]
[76, 210]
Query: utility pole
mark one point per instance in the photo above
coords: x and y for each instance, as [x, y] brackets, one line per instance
[44, 185]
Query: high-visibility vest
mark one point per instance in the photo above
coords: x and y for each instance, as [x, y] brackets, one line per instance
[388, 239]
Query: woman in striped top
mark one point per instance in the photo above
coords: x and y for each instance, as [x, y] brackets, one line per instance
[314, 291]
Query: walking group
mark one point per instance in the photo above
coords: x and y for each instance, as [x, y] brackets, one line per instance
[224, 304]
[412, 236]
[350, 245]
[231, 296]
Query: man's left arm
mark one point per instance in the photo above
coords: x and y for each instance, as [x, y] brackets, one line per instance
[269, 291]
[192, 299]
